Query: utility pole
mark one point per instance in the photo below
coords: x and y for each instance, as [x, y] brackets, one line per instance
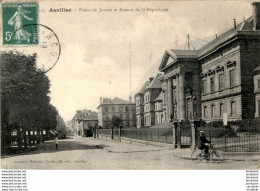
[188, 36]
[130, 72]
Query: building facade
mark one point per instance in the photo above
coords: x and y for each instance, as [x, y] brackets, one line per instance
[108, 108]
[147, 99]
[221, 78]
[83, 121]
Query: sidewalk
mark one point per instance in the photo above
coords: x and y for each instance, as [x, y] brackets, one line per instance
[235, 156]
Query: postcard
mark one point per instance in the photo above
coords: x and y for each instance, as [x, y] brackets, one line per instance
[132, 85]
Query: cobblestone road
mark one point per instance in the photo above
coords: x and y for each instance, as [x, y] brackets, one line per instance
[89, 153]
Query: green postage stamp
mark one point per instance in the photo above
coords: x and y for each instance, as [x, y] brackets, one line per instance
[19, 24]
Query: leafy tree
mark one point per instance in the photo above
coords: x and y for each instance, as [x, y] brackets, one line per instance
[116, 121]
[25, 100]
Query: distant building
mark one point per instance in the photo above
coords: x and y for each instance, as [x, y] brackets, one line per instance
[84, 121]
[149, 103]
[116, 107]
[139, 100]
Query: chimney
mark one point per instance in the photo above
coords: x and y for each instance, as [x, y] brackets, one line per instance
[256, 15]
[100, 100]
[216, 36]
[130, 99]
[235, 24]
[151, 79]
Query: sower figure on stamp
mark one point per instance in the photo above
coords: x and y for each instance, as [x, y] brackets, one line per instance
[57, 142]
[17, 21]
[203, 143]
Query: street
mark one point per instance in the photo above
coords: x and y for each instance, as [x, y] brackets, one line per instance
[90, 153]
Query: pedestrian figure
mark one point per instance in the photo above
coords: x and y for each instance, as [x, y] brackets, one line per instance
[56, 142]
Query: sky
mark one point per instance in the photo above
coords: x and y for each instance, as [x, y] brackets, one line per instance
[96, 48]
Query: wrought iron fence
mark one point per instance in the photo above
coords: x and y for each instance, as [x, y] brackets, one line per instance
[104, 132]
[156, 135]
[185, 134]
[233, 140]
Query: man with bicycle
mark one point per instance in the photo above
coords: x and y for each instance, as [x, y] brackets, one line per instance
[204, 143]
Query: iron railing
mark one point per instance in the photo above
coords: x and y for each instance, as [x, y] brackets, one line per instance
[231, 140]
[156, 135]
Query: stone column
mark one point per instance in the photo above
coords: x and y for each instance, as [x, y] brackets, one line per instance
[177, 97]
[182, 96]
[193, 135]
[170, 99]
[166, 101]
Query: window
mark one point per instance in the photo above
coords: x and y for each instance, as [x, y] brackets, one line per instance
[138, 100]
[133, 116]
[113, 109]
[156, 118]
[212, 84]
[126, 108]
[106, 109]
[220, 81]
[232, 78]
[258, 108]
[133, 108]
[233, 108]
[213, 111]
[120, 108]
[259, 83]
[204, 86]
[221, 109]
[127, 116]
[205, 112]
[174, 96]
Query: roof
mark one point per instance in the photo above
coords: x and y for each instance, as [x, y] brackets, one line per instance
[155, 83]
[183, 53]
[89, 116]
[143, 87]
[159, 97]
[85, 115]
[118, 100]
[243, 26]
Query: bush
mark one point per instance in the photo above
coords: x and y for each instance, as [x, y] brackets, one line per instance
[247, 125]
[217, 129]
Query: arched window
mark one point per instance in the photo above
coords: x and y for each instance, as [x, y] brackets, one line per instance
[232, 108]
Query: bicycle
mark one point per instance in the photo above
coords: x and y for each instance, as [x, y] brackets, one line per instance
[214, 155]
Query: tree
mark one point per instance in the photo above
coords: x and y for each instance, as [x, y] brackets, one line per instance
[25, 100]
[116, 121]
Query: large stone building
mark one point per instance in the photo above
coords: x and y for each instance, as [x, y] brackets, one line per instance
[116, 107]
[220, 79]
